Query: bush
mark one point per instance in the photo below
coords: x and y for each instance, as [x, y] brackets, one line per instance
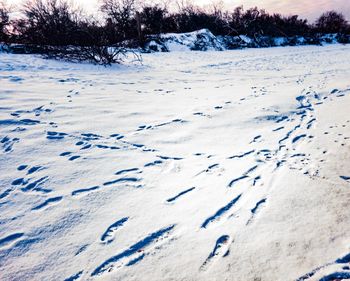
[54, 29]
[101, 55]
[120, 19]
[153, 19]
[4, 22]
[48, 22]
[331, 22]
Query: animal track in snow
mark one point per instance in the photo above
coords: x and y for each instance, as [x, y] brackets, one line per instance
[330, 277]
[47, 203]
[244, 176]
[34, 169]
[126, 171]
[220, 212]
[55, 135]
[74, 277]
[152, 127]
[122, 180]
[108, 236]
[138, 249]
[154, 163]
[297, 138]
[84, 190]
[346, 178]
[220, 249]
[10, 239]
[35, 185]
[257, 207]
[172, 199]
[7, 143]
[242, 155]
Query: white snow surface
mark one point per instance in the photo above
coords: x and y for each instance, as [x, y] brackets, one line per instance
[226, 165]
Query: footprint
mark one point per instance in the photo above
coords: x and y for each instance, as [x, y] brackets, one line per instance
[221, 248]
[108, 236]
[154, 163]
[297, 138]
[257, 138]
[29, 122]
[220, 212]
[336, 276]
[234, 181]
[242, 155]
[121, 180]
[257, 207]
[34, 169]
[170, 200]
[22, 167]
[74, 157]
[345, 178]
[55, 135]
[20, 181]
[48, 202]
[34, 185]
[84, 190]
[7, 143]
[74, 277]
[10, 238]
[126, 171]
[140, 248]
[5, 193]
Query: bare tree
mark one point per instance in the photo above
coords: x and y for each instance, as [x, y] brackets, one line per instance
[4, 22]
[56, 30]
[331, 22]
[120, 14]
[49, 22]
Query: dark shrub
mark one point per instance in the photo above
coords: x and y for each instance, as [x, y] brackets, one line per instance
[4, 22]
[120, 19]
[331, 22]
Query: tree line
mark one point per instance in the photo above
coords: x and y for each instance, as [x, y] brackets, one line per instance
[57, 23]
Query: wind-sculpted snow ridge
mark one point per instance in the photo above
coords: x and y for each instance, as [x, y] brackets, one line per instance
[197, 166]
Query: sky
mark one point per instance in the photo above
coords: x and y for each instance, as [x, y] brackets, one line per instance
[309, 9]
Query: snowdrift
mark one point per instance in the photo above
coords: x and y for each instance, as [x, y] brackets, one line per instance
[201, 40]
[204, 40]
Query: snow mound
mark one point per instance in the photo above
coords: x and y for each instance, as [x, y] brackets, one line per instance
[201, 40]
[204, 40]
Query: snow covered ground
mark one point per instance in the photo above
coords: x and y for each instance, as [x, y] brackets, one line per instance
[226, 165]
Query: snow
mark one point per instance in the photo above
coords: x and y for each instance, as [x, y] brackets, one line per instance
[193, 166]
[204, 40]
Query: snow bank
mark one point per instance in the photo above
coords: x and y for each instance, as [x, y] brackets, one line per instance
[204, 40]
[201, 40]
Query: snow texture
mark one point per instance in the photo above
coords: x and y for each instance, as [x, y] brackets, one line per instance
[228, 165]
